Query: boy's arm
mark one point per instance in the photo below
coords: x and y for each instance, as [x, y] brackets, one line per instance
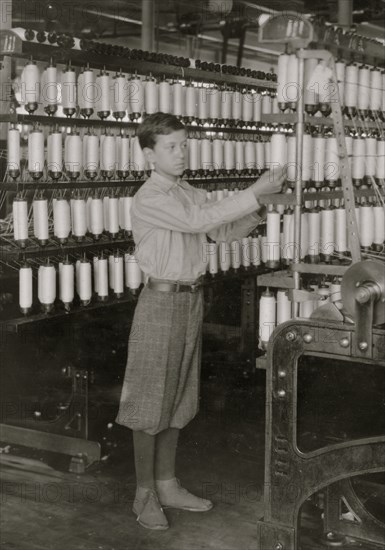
[240, 228]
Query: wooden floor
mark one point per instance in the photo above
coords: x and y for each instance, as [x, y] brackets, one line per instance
[46, 509]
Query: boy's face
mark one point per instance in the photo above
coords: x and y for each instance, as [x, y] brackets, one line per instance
[168, 155]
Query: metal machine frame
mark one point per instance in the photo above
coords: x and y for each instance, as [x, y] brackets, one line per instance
[291, 476]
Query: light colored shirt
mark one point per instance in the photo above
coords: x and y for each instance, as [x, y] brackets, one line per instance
[171, 221]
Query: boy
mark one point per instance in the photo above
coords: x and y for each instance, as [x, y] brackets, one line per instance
[160, 394]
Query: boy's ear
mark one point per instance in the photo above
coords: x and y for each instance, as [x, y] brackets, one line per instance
[148, 154]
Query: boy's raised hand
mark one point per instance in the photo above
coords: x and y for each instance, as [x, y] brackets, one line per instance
[271, 181]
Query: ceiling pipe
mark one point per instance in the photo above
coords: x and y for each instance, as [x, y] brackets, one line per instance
[148, 19]
[345, 13]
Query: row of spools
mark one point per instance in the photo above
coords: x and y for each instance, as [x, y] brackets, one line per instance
[323, 226]
[111, 155]
[275, 307]
[124, 96]
[360, 88]
[84, 279]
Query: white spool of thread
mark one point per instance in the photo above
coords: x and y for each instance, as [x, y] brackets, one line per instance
[273, 238]
[61, 218]
[214, 96]
[370, 156]
[332, 164]
[383, 90]
[380, 160]
[267, 317]
[319, 146]
[283, 307]
[257, 108]
[111, 271]
[340, 71]
[49, 87]
[46, 285]
[218, 160]
[79, 220]
[266, 105]
[311, 96]
[164, 96]
[103, 84]
[203, 104]
[306, 308]
[327, 231]
[25, 289]
[287, 241]
[267, 147]
[224, 256]
[96, 216]
[245, 252]
[229, 156]
[40, 219]
[291, 158]
[113, 215]
[247, 106]
[102, 278]
[366, 225]
[304, 234]
[235, 254]
[178, 99]
[255, 251]
[260, 155]
[91, 162]
[88, 92]
[226, 103]
[68, 90]
[66, 282]
[314, 221]
[118, 275]
[54, 152]
[136, 96]
[279, 150]
[363, 94]
[13, 147]
[239, 156]
[358, 158]
[137, 156]
[376, 91]
[351, 86]
[236, 105]
[108, 154]
[341, 231]
[194, 161]
[292, 90]
[127, 203]
[212, 256]
[133, 273]
[283, 62]
[191, 96]
[35, 152]
[220, 194]
[379, 225]
[307, 157]
[84, 285]
[74, 153]
[206, 155]
[119, 95]
[250, 156]
[95, 265]
[123, 157]
[262, 241]
[20, 219]
[151, 96]
[30, 84]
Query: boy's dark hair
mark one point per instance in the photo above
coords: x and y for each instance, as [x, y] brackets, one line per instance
[157, 124]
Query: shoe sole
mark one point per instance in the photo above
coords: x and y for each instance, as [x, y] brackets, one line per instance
[188, 509]
[148, 526]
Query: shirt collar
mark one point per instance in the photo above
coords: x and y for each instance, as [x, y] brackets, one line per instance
[164, 182]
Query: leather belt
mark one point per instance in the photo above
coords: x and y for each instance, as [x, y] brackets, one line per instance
[173, 286]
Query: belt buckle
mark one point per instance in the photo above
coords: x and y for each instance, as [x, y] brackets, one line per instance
[194, 287]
